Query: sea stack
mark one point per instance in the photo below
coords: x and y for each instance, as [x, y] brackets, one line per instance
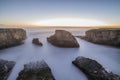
[11, 37]
[63, 38]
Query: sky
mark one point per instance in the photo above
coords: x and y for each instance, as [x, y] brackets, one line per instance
[35, 11]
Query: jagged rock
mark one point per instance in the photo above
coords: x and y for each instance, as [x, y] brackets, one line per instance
[36, 71]
[5, 68]
[11, 37]
[93, 69]
[63, 38]
[36, 41]
[103, 36]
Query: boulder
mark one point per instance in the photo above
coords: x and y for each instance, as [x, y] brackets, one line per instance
[5, 68]
[94, 70]
[11, 37]
[36, 71]
[63, 38]
[103, 36]
[36, 41]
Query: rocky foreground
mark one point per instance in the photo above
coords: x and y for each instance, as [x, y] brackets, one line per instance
[5, 68]
[103, 36]
[36, 71]
[63, 38]
[11, 37]
[93, 69]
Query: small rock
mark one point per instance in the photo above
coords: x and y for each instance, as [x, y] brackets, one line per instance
[36, 41]
[36, 71]
[5, 68]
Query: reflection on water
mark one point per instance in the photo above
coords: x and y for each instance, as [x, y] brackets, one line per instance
[59, 59]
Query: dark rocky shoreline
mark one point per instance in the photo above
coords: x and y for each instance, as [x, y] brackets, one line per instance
[103, 36]
[5, 68]
[39, 70]
[94, 70]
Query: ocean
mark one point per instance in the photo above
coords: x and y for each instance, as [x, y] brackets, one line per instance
[60, 59]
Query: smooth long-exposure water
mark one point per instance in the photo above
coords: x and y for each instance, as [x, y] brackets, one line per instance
[60, 59]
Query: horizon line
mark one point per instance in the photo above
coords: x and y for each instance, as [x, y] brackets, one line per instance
[29, 25]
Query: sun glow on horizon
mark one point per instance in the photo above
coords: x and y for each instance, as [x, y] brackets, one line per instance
[70, 22]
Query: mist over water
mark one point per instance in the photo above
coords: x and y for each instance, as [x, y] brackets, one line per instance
[60, 59]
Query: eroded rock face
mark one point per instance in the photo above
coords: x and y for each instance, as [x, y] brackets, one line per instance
[63, 38]
[93, 69]
[11, 37]
[36, 41]
[36, 71]
[103, 36]
[5, 68]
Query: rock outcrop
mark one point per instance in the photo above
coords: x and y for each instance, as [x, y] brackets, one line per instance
[36, 41]
[63, 38]
[93, 69]
[36, 71]
[103, 36]
[11, 37]
[5, 68]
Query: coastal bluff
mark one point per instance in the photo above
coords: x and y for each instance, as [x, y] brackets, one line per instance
[11, 37]
[103, 36]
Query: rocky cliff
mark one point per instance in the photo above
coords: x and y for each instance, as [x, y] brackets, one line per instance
[11, 37]
[103, 36]
[63, 38]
